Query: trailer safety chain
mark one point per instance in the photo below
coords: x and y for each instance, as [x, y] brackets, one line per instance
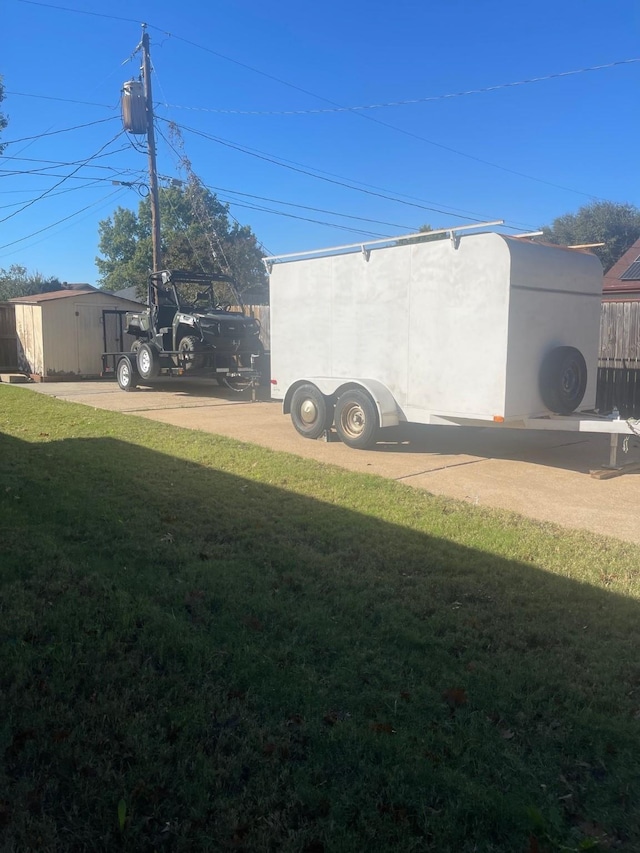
[634, 425]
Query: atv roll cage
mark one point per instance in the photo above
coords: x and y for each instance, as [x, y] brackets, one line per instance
[184, 290]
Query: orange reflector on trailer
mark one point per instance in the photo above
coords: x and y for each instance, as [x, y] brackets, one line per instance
[498, 419]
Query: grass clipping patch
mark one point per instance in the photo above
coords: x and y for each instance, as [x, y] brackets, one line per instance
[210, 646]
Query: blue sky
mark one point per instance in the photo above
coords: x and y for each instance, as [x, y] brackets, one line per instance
[260, 92]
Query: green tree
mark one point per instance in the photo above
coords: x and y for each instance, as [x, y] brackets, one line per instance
[424, 229]
[17, 281]
[196, 234]
[614, 224]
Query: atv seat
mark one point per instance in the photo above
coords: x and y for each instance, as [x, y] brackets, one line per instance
[164, 318]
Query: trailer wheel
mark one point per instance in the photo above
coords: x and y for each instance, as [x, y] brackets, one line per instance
[563, 380]
[126, 374]
[148, 361]
[356, 419]
[311, 412]
[190, 355]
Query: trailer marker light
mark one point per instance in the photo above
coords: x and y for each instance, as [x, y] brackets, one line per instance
[498, 419]
[274, 381]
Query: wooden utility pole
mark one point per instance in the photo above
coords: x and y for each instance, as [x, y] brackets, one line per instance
[151, 144]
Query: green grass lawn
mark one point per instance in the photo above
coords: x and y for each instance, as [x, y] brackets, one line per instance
[206, 645]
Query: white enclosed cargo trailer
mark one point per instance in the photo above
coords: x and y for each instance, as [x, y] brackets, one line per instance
[477, 329]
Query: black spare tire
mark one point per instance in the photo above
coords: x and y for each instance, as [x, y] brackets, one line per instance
[563, 380]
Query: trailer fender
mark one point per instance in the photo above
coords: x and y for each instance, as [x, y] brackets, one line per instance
[388, 411]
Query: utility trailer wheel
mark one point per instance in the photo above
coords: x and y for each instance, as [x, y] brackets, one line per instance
[356, 420]
[311, 412]
[190, 355]
[126, 374]
[563, 380]
[148, 361]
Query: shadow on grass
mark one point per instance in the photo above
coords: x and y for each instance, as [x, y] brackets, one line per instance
[192, 660]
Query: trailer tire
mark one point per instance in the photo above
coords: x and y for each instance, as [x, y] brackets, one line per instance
[148, 361]
[563, 380]
[356, 420]
[190, 355]
[311, 412]
[126, 374]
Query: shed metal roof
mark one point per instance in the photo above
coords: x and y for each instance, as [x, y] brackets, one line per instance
[47, 297]
[36, 298]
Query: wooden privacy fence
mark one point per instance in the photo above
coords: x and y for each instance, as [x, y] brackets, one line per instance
[8, 338]
[260, 313]
[619, 362]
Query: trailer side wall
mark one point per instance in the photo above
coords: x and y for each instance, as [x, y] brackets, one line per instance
[555, 301]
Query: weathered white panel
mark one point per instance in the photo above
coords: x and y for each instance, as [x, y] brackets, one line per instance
[451, 329]
[369, 334]
[555, 301]
[458, 326]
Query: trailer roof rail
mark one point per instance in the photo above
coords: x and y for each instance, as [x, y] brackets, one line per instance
[365, 246]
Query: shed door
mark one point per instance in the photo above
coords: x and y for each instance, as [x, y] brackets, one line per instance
[8, 338]
[89, 336]
[116, 338]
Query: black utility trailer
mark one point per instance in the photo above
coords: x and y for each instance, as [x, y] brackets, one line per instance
[189, 328]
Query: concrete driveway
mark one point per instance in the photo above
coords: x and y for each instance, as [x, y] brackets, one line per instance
[540, 474]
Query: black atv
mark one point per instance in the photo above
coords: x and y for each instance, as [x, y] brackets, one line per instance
[188, 328]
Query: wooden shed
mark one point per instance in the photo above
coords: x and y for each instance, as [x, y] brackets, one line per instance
[62, 335]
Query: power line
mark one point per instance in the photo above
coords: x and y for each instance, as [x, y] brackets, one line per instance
[314, 209]
[55, 163]
[291, 164]
[54, 132]
[64, 219]
[81, 11]
[269, 210]
[287, 203]
[63, 100]
[340, 107]
[92, 183]
[402, 103]
[334, 104]
[308, 219]
[65, 178]
[262, 156]
[10, 173]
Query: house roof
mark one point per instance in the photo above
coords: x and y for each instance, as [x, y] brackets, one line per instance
[624, 277]
[130, 293]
